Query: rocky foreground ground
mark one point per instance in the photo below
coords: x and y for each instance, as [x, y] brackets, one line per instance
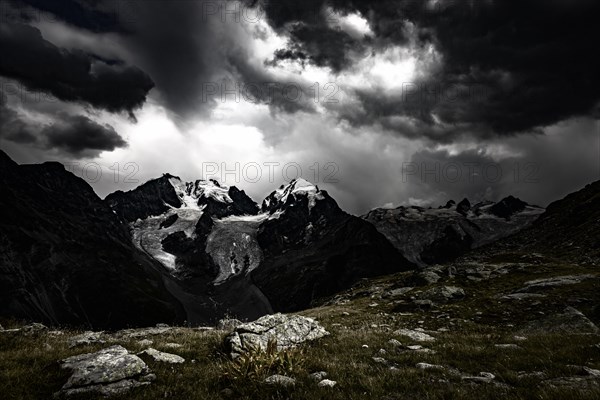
[518, 329]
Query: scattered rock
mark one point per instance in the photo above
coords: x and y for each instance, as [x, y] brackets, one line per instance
[107, 372]
[228, 324]
[397, 292]
[442, 294]
[162, 325]
[507, 346]
[345, 313]
[569, 321]
[86, 338]
[33, 329]
[394, 343]
[373, 305]
[286, 330]
[142, 332]
[172, 345]
[280, 380]
[365, 346]
[145, 342]
[487, 375]
[163, 357]
[429, 366]
[414, 347]
[327, 383]
[592, 372]
[318, 376]
[415, 335]
[379, 360]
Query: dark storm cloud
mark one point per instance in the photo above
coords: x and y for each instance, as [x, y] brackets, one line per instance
[69, 75]
[319, 45]
[78, 135]
[89, 14]
[259, 87]
[73, 135]
[536, 59]
[14, 128]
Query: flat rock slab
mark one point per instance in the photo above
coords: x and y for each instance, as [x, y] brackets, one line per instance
[163, 357]
[415, 335]
[555, 281]
[109, 371]
[287, 330]
[570, 321]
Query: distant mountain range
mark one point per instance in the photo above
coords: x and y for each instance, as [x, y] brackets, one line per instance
[437, 235]
[174, 251]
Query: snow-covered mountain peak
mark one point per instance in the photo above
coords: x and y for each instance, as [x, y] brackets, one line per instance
[191, 192]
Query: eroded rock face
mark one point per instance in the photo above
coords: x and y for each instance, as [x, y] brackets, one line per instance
[107, 372]
[287, 330]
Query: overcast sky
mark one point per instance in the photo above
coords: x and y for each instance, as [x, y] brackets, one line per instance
[380, 103]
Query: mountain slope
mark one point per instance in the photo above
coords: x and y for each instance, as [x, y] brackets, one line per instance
[568, 229]
[68, 259]
[312, 248]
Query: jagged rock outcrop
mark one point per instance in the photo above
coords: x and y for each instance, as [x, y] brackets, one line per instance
[107, 372]
[286, 330]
